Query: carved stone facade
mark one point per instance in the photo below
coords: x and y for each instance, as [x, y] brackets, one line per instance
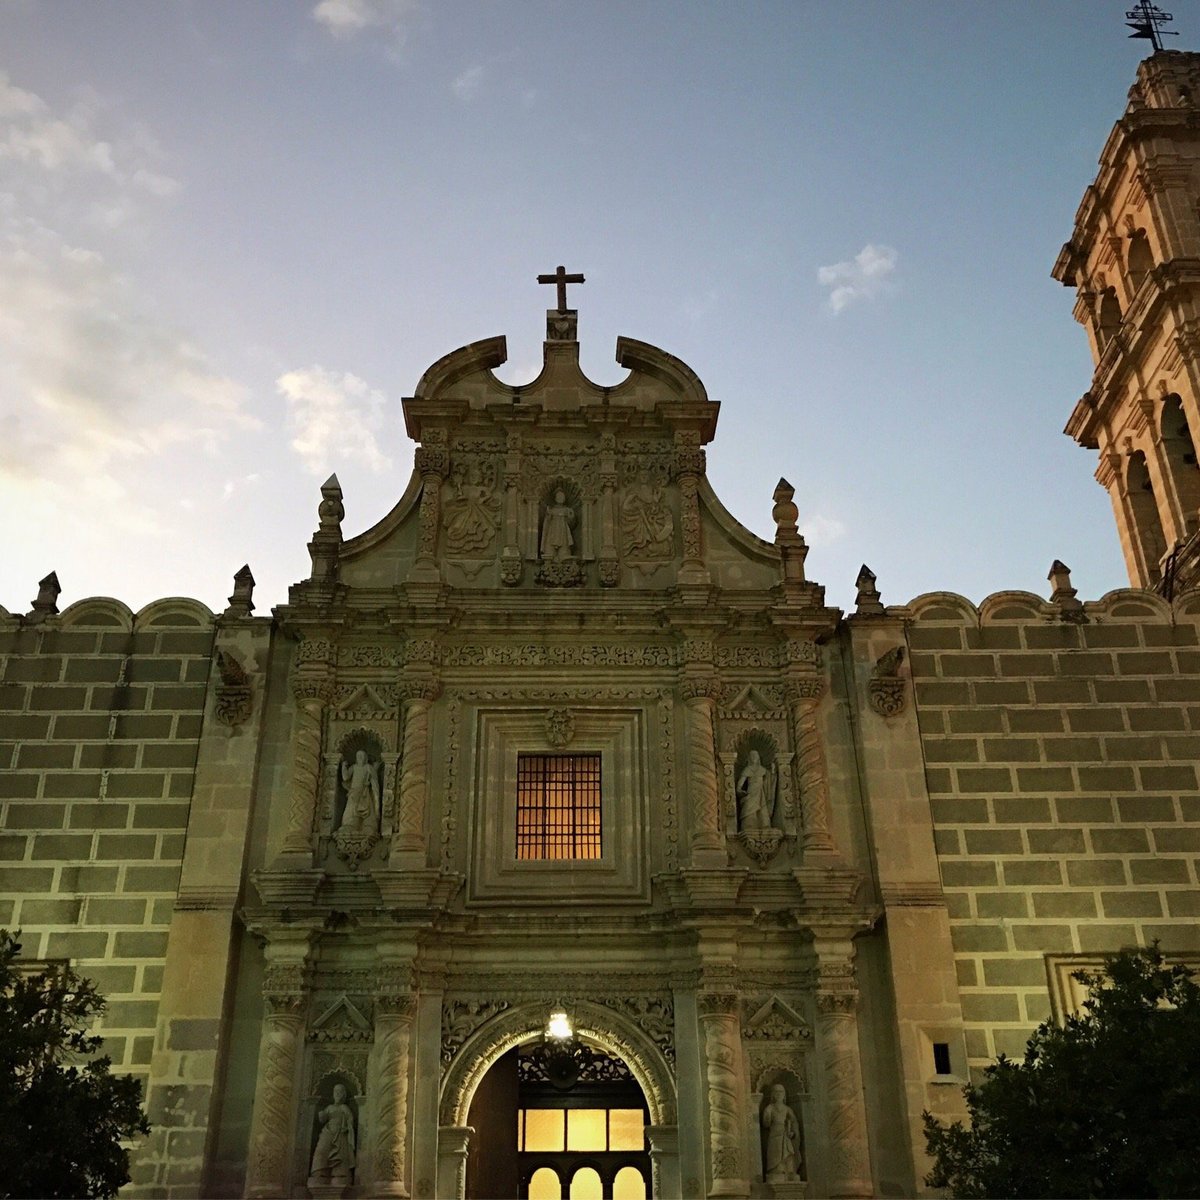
[816, 856]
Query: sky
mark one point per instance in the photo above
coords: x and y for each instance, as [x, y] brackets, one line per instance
[233, 236]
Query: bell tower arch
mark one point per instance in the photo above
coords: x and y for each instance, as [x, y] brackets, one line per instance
[1134, 260]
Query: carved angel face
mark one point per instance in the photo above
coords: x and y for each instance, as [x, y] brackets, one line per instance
[339, 1089]
[754, 759]
[360, 757]
[778, 1093]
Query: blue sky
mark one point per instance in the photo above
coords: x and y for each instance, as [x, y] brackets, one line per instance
[233, 235]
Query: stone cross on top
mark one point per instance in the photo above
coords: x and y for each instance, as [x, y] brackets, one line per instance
[560, 321]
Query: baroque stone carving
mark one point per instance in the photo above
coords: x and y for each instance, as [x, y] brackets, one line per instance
[782, 1157]
[470, 517]
[560, 727]
[314, 650]
[233, 695]
[718, 1015]
[885, 688]
[670, 825]
[569, 655]
[358, 831]
[647, 525]
[335, 1154]
[460, 1019]
[371, 656]
[654, 1015]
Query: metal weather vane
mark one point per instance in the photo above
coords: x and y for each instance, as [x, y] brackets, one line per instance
[1145, 21]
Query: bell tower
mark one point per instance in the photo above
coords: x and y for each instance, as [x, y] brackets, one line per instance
[1134, 260]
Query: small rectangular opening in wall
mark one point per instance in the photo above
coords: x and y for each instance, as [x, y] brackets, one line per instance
[941, 1058]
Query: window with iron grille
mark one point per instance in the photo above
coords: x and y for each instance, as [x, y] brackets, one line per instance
[558, 806]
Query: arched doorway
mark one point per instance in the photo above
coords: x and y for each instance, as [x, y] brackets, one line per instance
[551, 1117]
[558, 1118]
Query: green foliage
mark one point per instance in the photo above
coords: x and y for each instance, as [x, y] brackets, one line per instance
[1105, 1105]
[62, 1115]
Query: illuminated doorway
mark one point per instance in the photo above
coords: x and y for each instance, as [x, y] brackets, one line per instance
[563, 1121]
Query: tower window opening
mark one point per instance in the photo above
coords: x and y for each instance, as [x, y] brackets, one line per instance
[941, 1058]
[1139, 259]
[1147, 519]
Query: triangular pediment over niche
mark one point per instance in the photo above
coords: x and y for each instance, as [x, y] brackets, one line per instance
[365, 699]
[776, 1021]
[341, 1022]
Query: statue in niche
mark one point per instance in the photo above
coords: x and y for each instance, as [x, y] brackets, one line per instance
[360, 817]
[558, 542]
[781, 1137]
[646, 522]
[756, 789]
[334, 1157]
[470, 521]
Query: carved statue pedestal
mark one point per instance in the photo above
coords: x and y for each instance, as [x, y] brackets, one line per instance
[354, 847]
[563, 572]
[761, 844]
[787, 1189]
[326, 1191]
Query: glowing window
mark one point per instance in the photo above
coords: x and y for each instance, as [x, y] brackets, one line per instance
[585, 1129]
[626, 1129]
[558, 806]
[544, 1185]
[630, 1184]
[585, 1184]
[543, 1130]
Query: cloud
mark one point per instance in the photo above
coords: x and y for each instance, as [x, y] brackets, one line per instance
[95, 387]
[346, 19]
[333, 418]
[56, 147]
[467, 83]
[863, 277]
[819, 530]
[98, 378]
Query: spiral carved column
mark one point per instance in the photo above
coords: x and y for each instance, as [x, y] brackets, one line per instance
[312, 694]
[703, 780]
[803, 698]
[393, 1025]
[409, 836]
[841, 1067]
[267, 1166]
[726, 1115]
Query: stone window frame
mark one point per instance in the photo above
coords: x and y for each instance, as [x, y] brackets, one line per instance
[619, 733]
[1067, 995]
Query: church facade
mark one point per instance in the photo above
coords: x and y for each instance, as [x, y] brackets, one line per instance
[556, 838]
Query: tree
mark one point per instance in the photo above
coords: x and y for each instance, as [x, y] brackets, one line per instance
[62, 1114]
[1104, 1105]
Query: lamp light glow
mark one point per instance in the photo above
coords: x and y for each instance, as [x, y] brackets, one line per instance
[559, 1026]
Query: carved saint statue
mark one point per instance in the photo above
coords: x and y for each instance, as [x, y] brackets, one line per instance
[334, 1156]
[558, 542]
[756, 793]
[361, 815]
[646, 521]
[781, 1135]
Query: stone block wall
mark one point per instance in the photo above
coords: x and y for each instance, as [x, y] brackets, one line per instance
[1061, 749]
[100, 715]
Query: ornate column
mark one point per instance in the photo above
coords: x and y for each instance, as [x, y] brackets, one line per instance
[803, 696]
[273, 1121]
[688, 467]
[726, 1115]
[408, 839]
[432, 462]
[453, 1141]
[841, 1068]
[697, 687]
[395, 1005]
[312, 686]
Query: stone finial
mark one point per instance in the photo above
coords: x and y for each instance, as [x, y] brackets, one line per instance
[327, 541]
[46, 604]
[785, 513]
[331, 510]
[867, 599]
[1063, 595]
[241, 603]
